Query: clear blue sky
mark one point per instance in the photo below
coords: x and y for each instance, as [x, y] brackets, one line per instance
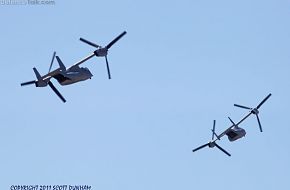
[182, 64]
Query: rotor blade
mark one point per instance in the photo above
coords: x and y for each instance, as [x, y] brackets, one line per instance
[242, 106]
[108, 68]
[28, 83]
[56, 91]
[90, 43]
[53, 56]
[116, 39]
[260, 126]
[222, 149]
[213, 130]
[202, 146]
[265, 99]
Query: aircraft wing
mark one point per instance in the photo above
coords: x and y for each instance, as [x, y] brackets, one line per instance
[83, 60]
[223, 133]
[48, 76]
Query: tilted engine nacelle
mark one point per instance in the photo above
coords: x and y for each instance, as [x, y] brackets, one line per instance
[40, 83]
[101, 52]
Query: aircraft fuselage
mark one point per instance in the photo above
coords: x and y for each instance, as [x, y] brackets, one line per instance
[236, 133]
[73, 75]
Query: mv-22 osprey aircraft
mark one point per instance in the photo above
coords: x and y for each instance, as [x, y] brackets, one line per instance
[74, 73]
[234, 132]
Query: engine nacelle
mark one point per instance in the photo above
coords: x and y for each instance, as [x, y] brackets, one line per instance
[40, 83]
[101, 52]
[211, 144]
[255, 111]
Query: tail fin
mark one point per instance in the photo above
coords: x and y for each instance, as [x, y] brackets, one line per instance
[234, 124]
[61, 65]
[38, 76]
[40, 82]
